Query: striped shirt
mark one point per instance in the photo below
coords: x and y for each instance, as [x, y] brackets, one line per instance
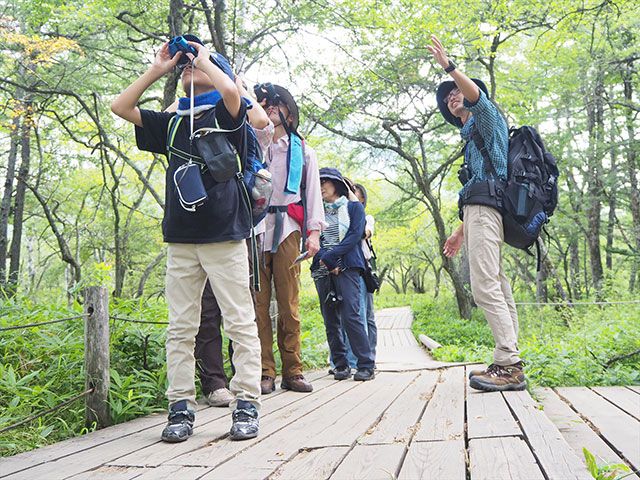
[329, 238]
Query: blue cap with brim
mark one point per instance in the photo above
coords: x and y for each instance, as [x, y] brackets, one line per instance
[443, 92]
[218, 60]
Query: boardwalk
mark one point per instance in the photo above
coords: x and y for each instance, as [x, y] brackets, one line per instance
[416, 420]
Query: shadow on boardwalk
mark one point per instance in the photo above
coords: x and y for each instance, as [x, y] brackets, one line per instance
[416, 420]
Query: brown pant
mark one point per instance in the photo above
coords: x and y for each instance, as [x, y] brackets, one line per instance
[287, 285]
[484, 235]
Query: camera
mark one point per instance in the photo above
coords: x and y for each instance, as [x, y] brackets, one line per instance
[464, 174]
[179, 44]
[266, 91]
[333, 299]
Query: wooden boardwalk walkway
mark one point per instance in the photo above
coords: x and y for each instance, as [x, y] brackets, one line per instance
[416, 420]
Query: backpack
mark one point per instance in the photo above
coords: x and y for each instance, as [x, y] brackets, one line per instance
[529, 197]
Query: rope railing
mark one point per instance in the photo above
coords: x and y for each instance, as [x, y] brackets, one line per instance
[569, 303]
[32, 325]
[46, 412]
[132, 320]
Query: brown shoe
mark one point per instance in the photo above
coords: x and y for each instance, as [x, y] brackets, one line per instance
[296, 383]
[267, 384]
[478, 371]
[500, 379]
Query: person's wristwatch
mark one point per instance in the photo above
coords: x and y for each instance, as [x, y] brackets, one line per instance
[451, 67]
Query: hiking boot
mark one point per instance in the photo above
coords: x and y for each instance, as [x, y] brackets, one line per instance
[479, 371]
[296, 383]
[500, 379]
[180, 425]
[245, 421]
[267, 385]
[219, 398]
[342, 373]
[364, 374]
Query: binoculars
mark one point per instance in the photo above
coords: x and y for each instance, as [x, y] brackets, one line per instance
[179, 44]
[266, 91]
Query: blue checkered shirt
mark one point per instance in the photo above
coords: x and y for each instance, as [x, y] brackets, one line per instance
[495, 133]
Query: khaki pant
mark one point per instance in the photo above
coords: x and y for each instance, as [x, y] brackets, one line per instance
[287, 284]
[483, 234]
[226, 266]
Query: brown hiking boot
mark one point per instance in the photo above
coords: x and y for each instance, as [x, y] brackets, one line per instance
[478, 371]
[267, 385]
[296, 383]
[500, 379]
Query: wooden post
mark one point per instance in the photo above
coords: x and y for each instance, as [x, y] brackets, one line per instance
[96, 356]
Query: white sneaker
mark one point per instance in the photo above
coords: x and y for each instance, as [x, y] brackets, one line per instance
[220, 398]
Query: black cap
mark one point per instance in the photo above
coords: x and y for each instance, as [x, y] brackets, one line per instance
[441, 96]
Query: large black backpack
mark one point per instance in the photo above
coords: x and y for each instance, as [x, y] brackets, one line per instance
[530, 195]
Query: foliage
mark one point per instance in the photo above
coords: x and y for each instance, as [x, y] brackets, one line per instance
[604, 472]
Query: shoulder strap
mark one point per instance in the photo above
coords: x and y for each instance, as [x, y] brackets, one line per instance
[174, 123]
[489, 169]
[303, 194]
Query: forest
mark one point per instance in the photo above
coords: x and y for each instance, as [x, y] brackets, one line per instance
[81, 206]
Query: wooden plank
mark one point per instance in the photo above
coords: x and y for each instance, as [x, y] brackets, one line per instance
[434, 461]
[622, 398]
[635, 389]
[90, 458]
[166, 472]
[329, 425]
[574, 430]
[364, 412]
[210, 443]
[556, 457]
[398, 423]
[318, 463]
[109, 473]
[91, 440]
[443, 418]
[370, 462]
[507, 458]
[621, 430]
[489, 416]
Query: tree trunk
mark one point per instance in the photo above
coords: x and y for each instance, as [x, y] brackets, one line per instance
[175, 21]
[594, 186]
[21, 189]
[5, 206]
[612, 188]
[632, 172]
[574, 270]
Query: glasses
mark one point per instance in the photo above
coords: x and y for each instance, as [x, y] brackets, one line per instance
[453, 93]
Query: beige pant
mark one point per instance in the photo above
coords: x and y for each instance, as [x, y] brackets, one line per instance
[226, 266]
[483, 234]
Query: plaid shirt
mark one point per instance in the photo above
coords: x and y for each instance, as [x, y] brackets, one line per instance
[494, 131]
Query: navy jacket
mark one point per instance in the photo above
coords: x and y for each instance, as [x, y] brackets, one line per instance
[349, 249]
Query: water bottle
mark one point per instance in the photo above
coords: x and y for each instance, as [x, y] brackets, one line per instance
[261, 191]
[536, 224]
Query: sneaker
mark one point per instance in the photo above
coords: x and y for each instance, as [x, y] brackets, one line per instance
[364, 374]
[221, 397]
[500, 379]
[478, 371]
[342, 373]
[245, 421]
[180, 425]
[296, 383]
[267, 385]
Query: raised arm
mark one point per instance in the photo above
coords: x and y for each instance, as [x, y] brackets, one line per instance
[126, 104]
[222, 83]
[258, 118]
[469, 89]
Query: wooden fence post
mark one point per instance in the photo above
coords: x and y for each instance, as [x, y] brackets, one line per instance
[96, 356]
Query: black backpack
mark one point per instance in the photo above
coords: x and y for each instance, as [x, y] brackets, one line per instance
[530, 195]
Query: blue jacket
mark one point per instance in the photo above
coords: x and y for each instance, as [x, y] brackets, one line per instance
[349, 249]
